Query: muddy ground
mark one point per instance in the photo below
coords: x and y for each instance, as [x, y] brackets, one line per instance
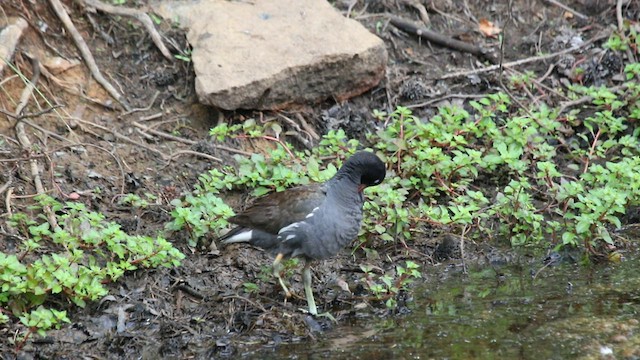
[161, 318]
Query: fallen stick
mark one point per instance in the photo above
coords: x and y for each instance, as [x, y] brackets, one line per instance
[440, 39]
[566, 8]
[600, 36]
[86, 53]
[26, 143]
[185, 141]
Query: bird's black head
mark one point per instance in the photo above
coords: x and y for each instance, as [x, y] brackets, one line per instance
[368, 166]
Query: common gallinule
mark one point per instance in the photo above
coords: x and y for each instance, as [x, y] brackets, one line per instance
[312, 222]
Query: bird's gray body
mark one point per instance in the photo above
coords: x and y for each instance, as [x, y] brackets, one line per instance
[330, 226]
[317, 228]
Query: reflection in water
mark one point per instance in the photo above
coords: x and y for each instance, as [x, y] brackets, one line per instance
[567, 311]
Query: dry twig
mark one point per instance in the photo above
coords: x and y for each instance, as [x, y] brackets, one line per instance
[146, 108]
[26, 143]
[566, 8]
[440, 39]
[140, 16]
[6, 185]
[29, 115]
[183, 140]
[620, 19]
[445, 97]
[424, 15]
[600, 36]
[7, 203]
[297, 131]
[191, 152]
[86, 53]
[125, 138]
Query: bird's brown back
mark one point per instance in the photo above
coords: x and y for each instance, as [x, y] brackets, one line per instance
[274, 211]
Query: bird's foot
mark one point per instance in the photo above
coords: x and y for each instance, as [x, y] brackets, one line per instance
[277, 268]
[315, 314]
[284, 287]
[328, 316]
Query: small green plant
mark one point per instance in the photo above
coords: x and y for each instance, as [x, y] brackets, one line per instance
[522, 80]
[386, 287]
[289, 267]
[185, 55]
[615, 42]
[250, 288]
[198, 213]
[73, 261]
[137, 201]
[624, 40]
[156, 19]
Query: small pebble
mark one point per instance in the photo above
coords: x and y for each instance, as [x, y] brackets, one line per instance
[360, 306]
[619, 338]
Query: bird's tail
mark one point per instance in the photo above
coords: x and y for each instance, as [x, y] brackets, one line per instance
[238, 234]
[254, 237]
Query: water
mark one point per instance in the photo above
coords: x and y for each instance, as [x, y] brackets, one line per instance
[567, 311]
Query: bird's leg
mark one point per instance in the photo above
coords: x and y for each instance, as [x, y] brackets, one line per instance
[306, 279]
[277, 268]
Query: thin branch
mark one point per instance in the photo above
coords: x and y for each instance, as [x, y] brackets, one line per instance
[163, 134]
[446, 97]
[620, 19]
[26, 143]
[585, 99]
[140, 16]
[186, 141]
[146, 108]
[566, 8]
[422, 10]
[600, 36]
[122, 137]
[440, 39]
[86, 53]
[7, 203]
[196, 153]
[30, 115]
[6, 185]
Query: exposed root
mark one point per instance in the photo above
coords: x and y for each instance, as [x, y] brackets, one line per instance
[138, 15]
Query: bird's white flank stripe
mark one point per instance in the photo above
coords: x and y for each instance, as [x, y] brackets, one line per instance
[311, 213]
[241, 237]
[290, 236]
[289, 227]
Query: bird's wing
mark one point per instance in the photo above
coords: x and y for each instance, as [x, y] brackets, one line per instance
[274, 211]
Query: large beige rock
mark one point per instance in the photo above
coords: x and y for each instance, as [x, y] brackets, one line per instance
[268, 54]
